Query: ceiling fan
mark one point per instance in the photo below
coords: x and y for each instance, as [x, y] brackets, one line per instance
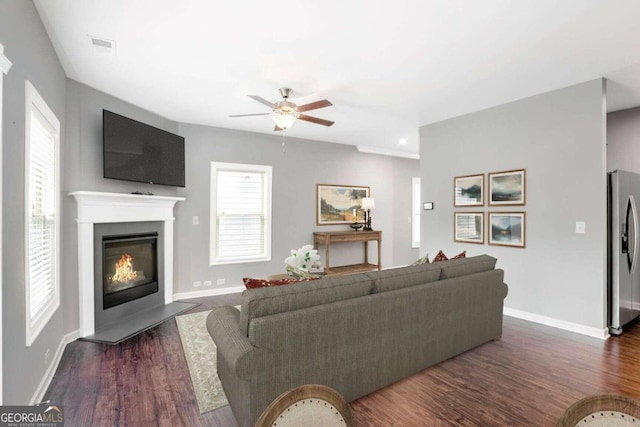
[284, 113]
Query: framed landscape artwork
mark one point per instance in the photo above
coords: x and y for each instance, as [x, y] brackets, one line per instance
[339, 204]
[468, 190]
[468, 227]
[507, 229]
[507, 188]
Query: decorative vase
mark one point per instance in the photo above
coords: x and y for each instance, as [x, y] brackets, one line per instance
[356, 226]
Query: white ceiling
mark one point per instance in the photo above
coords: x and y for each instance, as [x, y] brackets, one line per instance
[388, 67]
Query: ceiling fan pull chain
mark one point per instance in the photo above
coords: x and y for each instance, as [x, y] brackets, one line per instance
[284, 149]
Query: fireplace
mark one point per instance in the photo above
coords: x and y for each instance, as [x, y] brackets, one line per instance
[107, 214]
[129, 268]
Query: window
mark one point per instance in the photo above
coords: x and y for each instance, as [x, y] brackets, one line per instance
[42, 157]
[415, 220]
[240, 213]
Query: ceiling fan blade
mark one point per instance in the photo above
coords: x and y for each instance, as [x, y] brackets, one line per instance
[262, 101]
[247, 115]
[314, 105]
[315, 120]
[276, 129]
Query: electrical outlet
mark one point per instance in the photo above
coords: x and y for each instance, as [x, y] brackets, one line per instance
[197, 284]
[207, 282]
[46, 356]
[220, 282]
[196, 220]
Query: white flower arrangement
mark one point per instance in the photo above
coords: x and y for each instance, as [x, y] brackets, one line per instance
[303, 258]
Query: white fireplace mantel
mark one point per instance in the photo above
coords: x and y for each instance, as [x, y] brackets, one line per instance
[96, 207]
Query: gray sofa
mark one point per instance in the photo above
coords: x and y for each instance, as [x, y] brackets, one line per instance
[355, 333]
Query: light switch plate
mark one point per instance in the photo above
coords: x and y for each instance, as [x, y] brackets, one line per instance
[581, 227]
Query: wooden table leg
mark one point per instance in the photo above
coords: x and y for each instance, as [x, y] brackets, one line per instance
[380, 253]
[327, 243]
[366, 252]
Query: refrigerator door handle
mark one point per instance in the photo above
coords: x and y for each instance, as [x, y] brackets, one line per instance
[634, 216]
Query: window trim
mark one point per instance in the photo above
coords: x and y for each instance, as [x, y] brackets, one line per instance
[35, 326]
[267, 170]
[5, 66]
[415, 211]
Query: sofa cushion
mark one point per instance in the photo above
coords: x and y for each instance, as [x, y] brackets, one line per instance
[279, 299]
[403, 277]
[463, 266]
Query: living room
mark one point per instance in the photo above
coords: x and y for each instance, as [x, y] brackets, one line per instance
[557, 132]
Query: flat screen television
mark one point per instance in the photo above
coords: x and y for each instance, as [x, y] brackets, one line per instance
[135, 151]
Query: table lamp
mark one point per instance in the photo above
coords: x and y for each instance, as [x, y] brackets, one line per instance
[367, 204]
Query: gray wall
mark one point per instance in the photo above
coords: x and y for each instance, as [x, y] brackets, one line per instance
[623, 140]
[28, 47]
[559, 138]
[295, 175]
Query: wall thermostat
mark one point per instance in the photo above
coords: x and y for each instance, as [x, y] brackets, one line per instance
[427, 206]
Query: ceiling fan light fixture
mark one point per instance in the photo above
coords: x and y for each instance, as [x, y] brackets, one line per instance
[284, 120]
[284, 113]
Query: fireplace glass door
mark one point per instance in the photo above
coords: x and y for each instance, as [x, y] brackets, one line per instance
[129, 267]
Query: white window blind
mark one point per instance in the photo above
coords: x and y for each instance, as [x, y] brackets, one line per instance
[416, 206]
[241, 213]
[42, 285]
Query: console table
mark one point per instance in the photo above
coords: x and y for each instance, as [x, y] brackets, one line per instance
[331, 237]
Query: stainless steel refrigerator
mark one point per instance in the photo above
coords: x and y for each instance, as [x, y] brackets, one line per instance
[623, 290]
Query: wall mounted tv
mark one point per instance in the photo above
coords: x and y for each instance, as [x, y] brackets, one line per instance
[134, 151]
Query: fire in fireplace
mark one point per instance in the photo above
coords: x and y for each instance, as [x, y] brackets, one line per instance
[130, 269]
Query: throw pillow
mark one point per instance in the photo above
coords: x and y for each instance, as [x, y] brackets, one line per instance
[440, 257]
[251, 283]
[462, 254]
[301, 274]
[423, 260]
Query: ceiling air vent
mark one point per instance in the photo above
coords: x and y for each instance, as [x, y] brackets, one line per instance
[103, 45]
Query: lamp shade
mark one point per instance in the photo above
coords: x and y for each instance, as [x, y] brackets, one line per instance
[368, 203]
[284, 120]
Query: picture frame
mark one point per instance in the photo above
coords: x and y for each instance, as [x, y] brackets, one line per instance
[468, 227]
[468, 190]
[335, 204]
[507, 188]
[507, 229]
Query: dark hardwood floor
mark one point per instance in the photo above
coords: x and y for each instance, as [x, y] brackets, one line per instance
[526, 379]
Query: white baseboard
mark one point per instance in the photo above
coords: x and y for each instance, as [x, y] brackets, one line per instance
[53, 366]
[602, 334]
[208, 292]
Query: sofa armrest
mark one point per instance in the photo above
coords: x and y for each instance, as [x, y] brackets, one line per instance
[223, 324]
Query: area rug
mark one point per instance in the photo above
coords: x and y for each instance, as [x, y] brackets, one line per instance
[200, 352]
